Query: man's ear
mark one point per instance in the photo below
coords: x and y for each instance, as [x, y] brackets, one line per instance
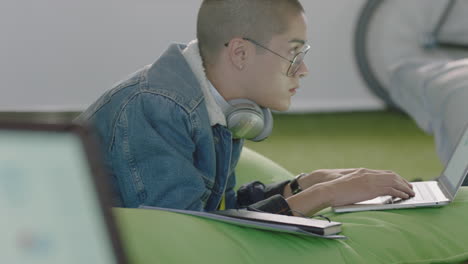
[239, 52]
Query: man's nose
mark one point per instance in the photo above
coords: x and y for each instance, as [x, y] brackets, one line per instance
[303, 70]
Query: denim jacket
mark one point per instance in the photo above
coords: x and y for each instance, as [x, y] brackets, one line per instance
[159, 147]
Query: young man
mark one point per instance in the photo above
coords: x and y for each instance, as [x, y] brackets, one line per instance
[164, 130]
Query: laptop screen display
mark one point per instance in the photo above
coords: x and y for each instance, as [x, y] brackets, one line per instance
[50, 210]
[456, 167]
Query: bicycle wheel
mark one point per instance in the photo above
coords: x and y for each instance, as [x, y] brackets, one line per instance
[389, 32]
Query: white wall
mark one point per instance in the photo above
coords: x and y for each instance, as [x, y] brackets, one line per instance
[62, 54]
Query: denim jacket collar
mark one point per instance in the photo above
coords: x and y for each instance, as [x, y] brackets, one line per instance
[193, 57]
[161, 78]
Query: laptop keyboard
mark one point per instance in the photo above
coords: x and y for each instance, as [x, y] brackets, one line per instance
[423, 193]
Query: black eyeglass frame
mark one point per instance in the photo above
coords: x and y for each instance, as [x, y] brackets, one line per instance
[289, 73]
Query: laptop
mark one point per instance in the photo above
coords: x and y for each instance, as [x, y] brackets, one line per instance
[53, 197]
[439, 192]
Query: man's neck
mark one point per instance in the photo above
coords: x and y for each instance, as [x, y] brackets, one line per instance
[223, 83]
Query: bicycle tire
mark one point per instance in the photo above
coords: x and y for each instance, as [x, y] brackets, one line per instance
[360, 53]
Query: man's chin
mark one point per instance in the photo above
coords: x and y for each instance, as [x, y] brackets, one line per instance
[281, 107]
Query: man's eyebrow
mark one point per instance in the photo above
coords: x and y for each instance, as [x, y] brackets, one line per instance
[300, 41]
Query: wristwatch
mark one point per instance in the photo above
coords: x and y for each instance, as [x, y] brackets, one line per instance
[294, 184]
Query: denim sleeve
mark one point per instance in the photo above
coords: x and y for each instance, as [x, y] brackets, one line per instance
[256, 196]
[152, 156]
[231, 199]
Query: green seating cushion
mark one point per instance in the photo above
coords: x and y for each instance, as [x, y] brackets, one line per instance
[254, 166]
[429, 235]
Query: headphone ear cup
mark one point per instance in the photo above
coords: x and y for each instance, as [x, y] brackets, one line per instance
[267, 127]
[244, 119]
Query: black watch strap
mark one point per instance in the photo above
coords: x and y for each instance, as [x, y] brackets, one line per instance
[295, 188]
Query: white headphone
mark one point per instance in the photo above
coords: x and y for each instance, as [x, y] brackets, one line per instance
[244, 118]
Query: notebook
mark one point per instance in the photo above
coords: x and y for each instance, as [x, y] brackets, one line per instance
[266, 221]
[311, 225]
[53, 197]
[439, 192]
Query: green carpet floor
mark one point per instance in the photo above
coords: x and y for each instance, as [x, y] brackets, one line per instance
[375, 140]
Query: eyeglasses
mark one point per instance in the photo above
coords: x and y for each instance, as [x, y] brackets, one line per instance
[295, 62]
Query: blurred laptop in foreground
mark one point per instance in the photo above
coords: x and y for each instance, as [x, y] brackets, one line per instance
[53, 197]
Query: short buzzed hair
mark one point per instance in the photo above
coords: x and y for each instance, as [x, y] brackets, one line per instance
[219, 21]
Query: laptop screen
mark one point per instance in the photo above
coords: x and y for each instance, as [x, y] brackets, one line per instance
[50, 209]
[456, 167]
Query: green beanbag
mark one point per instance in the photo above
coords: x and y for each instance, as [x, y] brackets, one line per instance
[429, 235]
[253, 166]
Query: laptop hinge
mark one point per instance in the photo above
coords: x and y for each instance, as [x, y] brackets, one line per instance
[444, 189]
